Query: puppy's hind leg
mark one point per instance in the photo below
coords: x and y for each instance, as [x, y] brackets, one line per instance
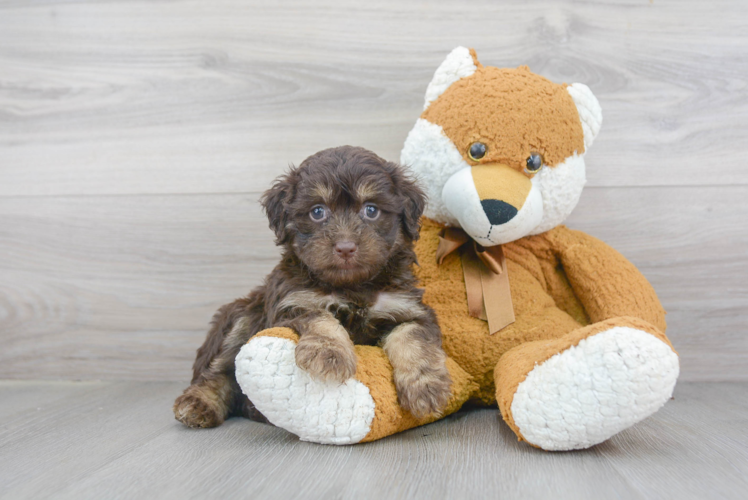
[205, 404]
[214, 393]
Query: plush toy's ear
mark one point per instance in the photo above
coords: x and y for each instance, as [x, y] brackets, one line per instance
[589, 110]
[461, 62]
[413, 201]
[275, 200]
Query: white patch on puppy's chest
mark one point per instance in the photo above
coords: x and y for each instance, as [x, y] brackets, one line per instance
[310, 301]
[396, 306]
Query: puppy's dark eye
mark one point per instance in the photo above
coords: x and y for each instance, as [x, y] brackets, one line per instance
[318, 213]
[477, 151]
[371, 212]
[534, 162]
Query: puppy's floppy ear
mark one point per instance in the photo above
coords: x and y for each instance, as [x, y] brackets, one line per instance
[275, 200]
[413, 200]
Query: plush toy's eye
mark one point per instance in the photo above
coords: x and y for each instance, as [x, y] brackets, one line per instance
[534, 162]
[477, 151]
[318, 213]
[371, 212]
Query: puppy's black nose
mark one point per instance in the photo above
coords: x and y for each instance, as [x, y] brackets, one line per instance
[345, 249]
[498, 212]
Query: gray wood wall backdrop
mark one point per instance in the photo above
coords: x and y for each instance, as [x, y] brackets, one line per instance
[136, 137]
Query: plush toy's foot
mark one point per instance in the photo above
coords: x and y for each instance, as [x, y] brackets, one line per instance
[587, 386]
[363, 408]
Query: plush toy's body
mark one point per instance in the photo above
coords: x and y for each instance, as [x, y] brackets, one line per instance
[555, 309]
[586, 355]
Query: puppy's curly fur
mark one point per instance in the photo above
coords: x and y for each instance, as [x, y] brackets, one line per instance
[346, 220]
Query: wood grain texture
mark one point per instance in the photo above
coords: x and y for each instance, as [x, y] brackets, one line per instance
[122, 287]
[182, 96]
[119, 440]
[135, 138]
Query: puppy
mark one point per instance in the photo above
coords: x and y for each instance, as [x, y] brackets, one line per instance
[346, 220]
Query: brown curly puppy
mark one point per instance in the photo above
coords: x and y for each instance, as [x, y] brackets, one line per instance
[346, 220]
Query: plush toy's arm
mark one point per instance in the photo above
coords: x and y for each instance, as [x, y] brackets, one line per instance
[363, 408]
[605, 282]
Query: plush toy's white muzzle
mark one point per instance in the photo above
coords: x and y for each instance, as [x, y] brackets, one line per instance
[489, 219]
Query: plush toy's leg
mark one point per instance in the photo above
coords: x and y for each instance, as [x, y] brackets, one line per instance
[364, 408]
[585, 387]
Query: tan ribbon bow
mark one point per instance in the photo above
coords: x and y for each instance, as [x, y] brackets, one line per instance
[486, 279]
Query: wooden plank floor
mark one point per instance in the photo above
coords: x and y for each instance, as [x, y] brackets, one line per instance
[119, 440]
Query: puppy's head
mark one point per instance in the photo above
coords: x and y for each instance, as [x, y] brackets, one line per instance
[344, 212]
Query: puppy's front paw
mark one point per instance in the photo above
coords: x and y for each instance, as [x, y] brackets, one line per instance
[425, 392]
[326, 359]
[194, 411]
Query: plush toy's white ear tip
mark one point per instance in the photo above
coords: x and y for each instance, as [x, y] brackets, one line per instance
[458, 64]
[590, 113]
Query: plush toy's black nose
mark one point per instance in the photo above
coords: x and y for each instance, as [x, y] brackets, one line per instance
[498, 212]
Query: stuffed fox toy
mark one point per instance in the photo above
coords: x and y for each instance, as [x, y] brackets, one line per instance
[552, 325]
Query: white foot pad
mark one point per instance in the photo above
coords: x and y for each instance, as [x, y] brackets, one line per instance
[588, 393]
[316, 411]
